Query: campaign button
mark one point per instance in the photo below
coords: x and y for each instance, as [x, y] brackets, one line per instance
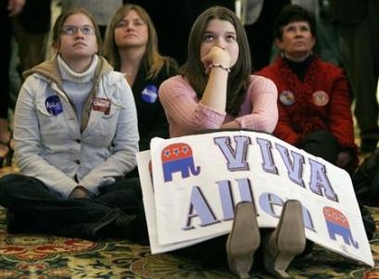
[53, 105]
[150, 94]
[287, 98]
[320, 98]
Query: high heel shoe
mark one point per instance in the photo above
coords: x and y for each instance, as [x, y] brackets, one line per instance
[286, 241]
[243, 240]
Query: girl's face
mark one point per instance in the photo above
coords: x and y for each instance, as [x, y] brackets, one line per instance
[220, 33]
[131, 31]
[297, 39]
[77, 39]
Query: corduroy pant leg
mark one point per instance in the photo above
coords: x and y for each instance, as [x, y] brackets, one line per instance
[126, 195]
[36, 209]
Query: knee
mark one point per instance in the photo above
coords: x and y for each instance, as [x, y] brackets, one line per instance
[6, 187]
[11, 183]
[323, 144]
[321, 136]
[7, 182]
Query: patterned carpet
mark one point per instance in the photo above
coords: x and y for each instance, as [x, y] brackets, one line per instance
[47, 257]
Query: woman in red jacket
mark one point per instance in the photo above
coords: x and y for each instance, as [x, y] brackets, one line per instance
[313, 95]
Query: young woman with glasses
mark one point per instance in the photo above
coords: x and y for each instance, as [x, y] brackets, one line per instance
[76, 137]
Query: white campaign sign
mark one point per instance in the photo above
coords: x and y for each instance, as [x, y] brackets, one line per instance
[199, 179]
[143, 159]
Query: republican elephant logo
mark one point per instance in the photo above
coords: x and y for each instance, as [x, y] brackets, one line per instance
[337, 224]
[178, 157]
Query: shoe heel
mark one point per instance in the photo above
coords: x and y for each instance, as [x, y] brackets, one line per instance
[243, 240]
[287, 240]
[241, 266]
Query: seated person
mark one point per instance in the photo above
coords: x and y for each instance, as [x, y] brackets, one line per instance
[216, 90]
[313, 96]
[76, 137]
[138, 58]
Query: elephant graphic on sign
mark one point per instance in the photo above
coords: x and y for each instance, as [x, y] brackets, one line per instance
[337, 224]
[178, 157]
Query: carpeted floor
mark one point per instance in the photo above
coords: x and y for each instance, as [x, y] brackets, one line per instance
[47, 257]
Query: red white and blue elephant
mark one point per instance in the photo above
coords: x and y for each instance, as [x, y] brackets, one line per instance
[337, 224]
[178, 157]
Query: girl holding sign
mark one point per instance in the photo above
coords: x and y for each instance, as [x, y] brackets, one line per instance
[215, 90]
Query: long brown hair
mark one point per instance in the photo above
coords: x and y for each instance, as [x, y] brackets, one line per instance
[238, 80]
[153, 61]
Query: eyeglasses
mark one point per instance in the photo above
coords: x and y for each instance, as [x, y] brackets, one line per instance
[71, 30]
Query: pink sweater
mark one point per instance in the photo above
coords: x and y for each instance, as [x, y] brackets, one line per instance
[187, 116]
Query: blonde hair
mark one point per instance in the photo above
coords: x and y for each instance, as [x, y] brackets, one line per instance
[153, 61]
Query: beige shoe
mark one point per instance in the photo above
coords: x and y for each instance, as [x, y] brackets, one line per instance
[243, 240]
[286, 241]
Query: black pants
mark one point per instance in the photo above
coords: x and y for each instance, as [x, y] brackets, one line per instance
[36, 209]
[322, 144]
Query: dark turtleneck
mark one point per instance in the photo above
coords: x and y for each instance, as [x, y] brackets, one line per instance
[299, 68]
